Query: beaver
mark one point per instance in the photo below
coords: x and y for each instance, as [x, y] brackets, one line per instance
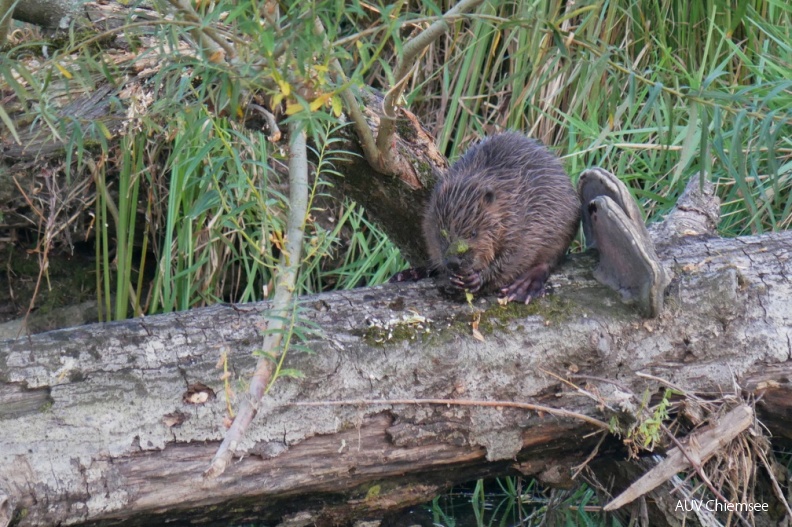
[502, 218]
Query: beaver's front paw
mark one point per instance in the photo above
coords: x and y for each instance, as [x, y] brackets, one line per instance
[469, 281]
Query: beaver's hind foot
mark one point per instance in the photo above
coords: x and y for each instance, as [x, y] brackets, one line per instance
[530, 284]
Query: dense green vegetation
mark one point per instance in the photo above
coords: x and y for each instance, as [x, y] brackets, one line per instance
[653, 91]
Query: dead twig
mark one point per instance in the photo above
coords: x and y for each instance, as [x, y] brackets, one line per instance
[696, 462]
[579, 468]
[597, 399]
[773, 481]
[701, 445]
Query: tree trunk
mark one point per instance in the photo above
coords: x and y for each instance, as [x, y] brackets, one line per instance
[396, 203]
[108, 423]
[50, 14]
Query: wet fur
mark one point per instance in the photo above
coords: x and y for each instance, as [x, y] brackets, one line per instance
[510, 201]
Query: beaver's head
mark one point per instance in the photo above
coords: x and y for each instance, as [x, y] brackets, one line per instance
[463, 225]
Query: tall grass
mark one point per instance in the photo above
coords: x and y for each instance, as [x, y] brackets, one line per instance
[115, 259]
[653, 91]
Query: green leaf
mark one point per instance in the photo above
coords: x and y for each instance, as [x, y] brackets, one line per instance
[291, 373]
[7, 120]
[689, 144]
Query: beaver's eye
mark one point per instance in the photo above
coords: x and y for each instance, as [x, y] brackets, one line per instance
[473, 233]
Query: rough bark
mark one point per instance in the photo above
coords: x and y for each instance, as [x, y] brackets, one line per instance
[60, 15]
[95, 426]
[65, 317]
[50, 14]
[396, 203]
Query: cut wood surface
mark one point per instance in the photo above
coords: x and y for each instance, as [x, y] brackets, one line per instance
[99, 422]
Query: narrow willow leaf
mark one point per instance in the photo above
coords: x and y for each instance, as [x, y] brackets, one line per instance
[689, 144]
[10, 124]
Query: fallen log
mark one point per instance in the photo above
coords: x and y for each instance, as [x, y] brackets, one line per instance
[117, 422]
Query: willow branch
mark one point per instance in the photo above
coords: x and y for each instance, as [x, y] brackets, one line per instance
[207, 37]
[362, 129]
[364, 133]
[410, 53]
[275, 133]
[281, 304]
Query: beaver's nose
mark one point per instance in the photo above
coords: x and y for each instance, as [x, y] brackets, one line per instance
[453, 264]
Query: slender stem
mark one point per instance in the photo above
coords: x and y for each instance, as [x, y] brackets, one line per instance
[362, 129]
[410, 53]
[364, 133]
[283, 301]
[6, 12]
[207, 36]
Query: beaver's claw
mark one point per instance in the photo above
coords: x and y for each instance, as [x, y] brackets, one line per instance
[470, 281]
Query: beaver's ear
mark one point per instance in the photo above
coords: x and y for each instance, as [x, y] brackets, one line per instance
[488, 197]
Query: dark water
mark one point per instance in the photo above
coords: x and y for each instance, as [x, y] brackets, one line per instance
[504, 502]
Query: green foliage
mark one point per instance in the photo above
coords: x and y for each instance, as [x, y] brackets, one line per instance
[643, 433]
[295, 331]
[220, 210]
[516, 501]
[648, 432]
[211, 207]
[123, 213]
[653, 91]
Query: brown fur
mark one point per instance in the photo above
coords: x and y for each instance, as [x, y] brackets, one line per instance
[509, 202]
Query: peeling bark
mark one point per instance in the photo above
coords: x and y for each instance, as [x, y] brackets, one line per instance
[396, 203]
[95, 427]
